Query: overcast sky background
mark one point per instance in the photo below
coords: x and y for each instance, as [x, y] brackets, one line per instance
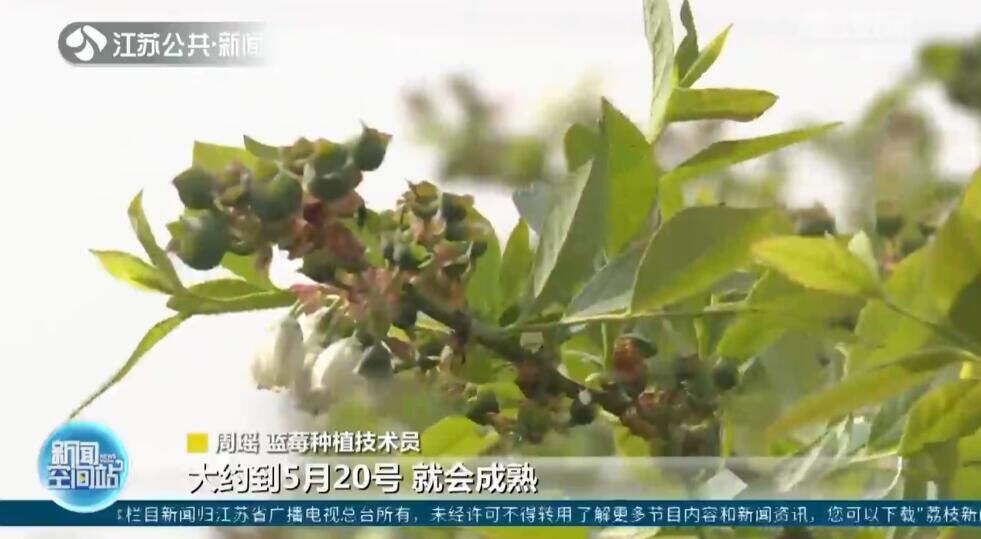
[80, 142]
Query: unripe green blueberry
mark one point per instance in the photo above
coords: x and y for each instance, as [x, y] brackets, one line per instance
[301, 148]
[276, 199]
[333, 185]
[196, 188]
[534, 421]
[203, 241]
[815, 227]
[376, 362]
[369, 149]
[888, 221]
[328, 157]
[242, 247]
[453, 207]
[456, 270]
[725, 374]
[686, 368]
[405, 317]
[456, 231]
[405, 258]
[478, 248]
[482, 406]
[582, 411]
[365, 337]
[911, 244]
[319, 265]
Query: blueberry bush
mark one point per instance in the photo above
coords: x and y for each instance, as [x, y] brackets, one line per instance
[622, 316]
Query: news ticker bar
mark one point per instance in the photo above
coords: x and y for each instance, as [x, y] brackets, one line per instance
[457, 513]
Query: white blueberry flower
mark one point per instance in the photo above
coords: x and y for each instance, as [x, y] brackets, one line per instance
[279, 357]
[328, 376]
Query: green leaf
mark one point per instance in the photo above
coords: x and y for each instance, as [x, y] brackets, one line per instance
[632, 176]
[705, 59]
[945, 413]
[697, 248]
[579, 144]
[688, 48]
[866, 388]
[955, 251]
[244, 266]
[883, 333]
[516, 265]
[940, 60]
[224, 288]
[718, 104]
[725, 153]
[260, 150]
[534, 202]
[610, 289]
[133, 270]
[818, 263]
[483, 293]
[228, 296]
[153, 336]
[965, 313]
[158, 257]
[660, 38]
[572, 235]
[215, 157]
[780, 305]
[861, 246]
[456, 436]
[729, 152]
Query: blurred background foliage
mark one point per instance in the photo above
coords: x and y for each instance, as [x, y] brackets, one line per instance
[888, 159]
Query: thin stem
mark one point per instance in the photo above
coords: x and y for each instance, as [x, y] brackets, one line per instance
[715, 310]
[950, 334]
[511, 350]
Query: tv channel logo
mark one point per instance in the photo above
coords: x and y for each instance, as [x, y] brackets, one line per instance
[84, 466]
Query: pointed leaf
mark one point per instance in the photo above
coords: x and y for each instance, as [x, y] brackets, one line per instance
[215, 157]
[195, 304]
[246, 267]
[955, 250]
[483, 293]
[573, 234]
[533, 203]
[818, 263]
[945, 413]
[965, 313]
[152, 337]
[866, 388]
[260, 150]
[159, 258]
[660, 38]
[780, 305]
[688, 48]
[883, 333]
[133, 270]
[632, 176]
[718, 104]
[610, 289]
[456, 436]
[579, 144]
[705, 59]
[697, 248]
[729, 152]
[516, 265]
[725, 153]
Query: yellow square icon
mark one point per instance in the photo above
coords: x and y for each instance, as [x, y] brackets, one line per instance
[197, 442]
